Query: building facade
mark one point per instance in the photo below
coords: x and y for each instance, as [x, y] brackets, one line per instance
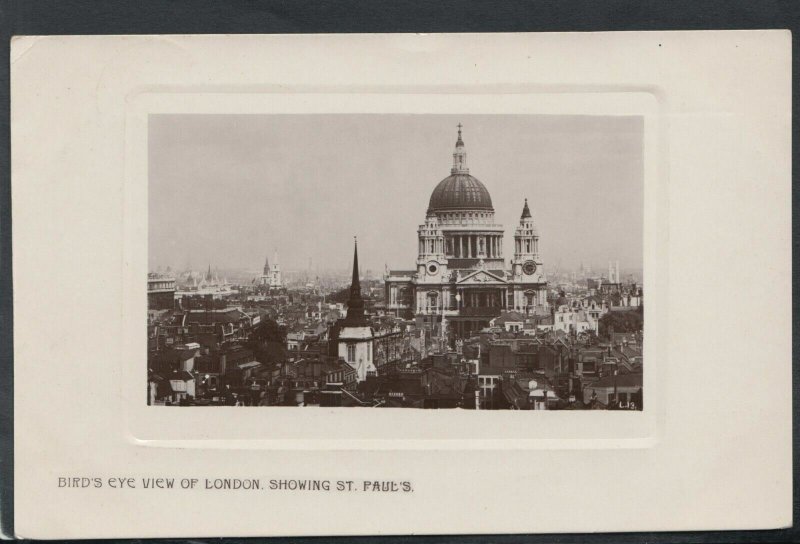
[461, 280]
[160, 292]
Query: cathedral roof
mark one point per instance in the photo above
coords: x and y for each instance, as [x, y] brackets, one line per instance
[526, 211]
[462, 192]
[459, 190]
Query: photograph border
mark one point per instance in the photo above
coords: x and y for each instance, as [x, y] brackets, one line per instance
[152, 426]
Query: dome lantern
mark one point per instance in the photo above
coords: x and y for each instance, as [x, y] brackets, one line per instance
[459, 156]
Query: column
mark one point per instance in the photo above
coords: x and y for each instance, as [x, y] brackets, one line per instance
[460, 247]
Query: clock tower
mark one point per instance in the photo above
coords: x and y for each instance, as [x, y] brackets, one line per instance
[526, 246]
[431, 259]
[526, 267]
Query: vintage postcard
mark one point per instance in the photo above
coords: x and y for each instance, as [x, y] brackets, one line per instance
[401, 284]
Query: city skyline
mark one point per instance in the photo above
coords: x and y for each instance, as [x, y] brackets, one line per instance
[229, 190]
[464, 260]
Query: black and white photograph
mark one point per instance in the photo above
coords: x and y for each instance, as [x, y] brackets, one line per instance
[475, 262]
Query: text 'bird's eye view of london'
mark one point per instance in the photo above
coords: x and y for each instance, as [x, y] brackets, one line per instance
[318, 261]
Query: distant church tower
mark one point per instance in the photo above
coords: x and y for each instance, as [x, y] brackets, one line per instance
[265, 275]
[271, 276]
[275, 273]
[355, 336]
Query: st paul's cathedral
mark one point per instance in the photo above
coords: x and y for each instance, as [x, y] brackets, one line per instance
[461, 281]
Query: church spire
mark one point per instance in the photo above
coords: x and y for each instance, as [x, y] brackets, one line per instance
[459, 156]
[355, 285]
[355, 304]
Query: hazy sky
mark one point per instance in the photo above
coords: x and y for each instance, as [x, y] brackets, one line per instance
[230, 189]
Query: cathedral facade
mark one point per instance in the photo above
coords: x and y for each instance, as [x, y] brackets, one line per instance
[461, 280]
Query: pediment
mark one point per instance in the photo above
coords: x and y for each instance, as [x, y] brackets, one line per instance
[480, 277]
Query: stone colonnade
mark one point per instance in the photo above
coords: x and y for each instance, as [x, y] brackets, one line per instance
[471, 246]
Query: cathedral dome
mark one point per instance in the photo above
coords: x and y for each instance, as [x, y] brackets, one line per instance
[460, 192]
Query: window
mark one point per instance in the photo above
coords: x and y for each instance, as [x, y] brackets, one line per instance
[351, 353]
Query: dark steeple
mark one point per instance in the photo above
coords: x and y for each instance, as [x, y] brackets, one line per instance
[526, 212]
[355, 304]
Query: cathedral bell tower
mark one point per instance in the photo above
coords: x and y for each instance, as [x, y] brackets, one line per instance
[526, 263]
[275, 272]
[431, 259]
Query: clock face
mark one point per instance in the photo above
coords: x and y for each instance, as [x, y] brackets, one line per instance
[433, 268]
[529, 268]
